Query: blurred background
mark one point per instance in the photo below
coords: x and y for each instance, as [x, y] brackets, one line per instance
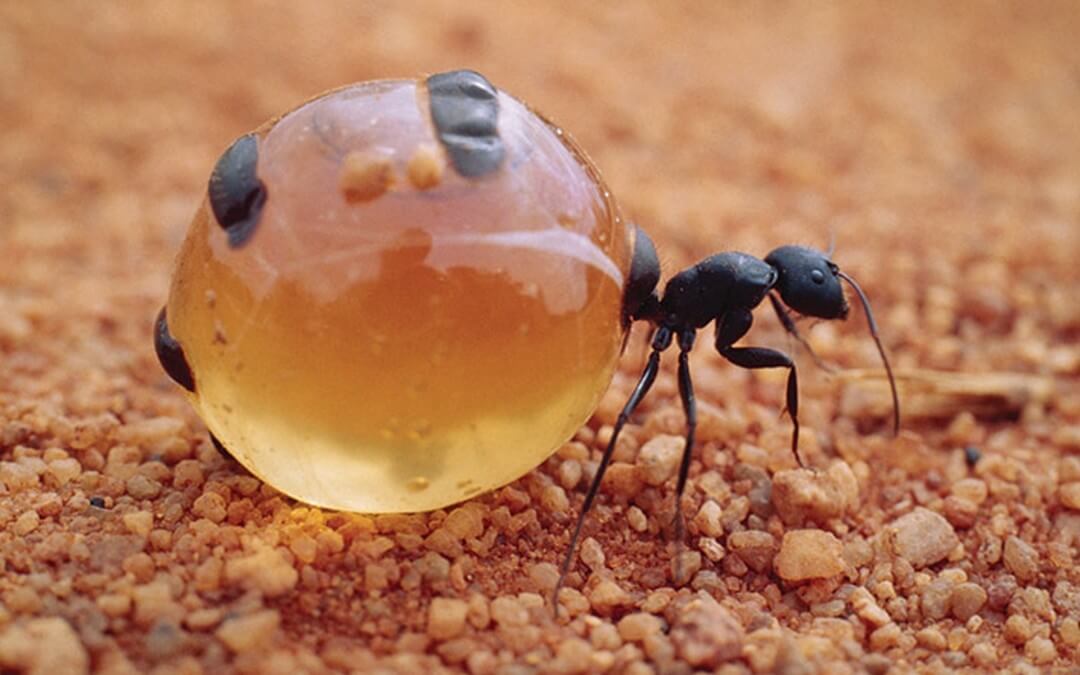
[937, 145]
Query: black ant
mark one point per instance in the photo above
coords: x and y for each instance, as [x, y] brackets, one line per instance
[724, 288]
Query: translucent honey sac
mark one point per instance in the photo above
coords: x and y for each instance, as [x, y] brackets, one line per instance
[394, 335]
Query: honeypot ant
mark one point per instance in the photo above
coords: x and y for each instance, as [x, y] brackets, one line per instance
[462, 111]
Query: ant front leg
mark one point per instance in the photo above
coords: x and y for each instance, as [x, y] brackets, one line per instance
[732, 326]
[789, 325]
[661, 340]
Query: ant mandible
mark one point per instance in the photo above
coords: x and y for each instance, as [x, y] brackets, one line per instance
[724, 288]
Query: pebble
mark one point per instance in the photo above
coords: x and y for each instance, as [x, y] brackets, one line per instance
[605, 635]
[139, 565]
[966, 600]
[659, 458]
[637, 519]
[465, 522]
[26, 523]
[139, 522]
[545, 575]
[709, 519]
[755, 548]
[867, 608]
[1040, 651]
[684, 566]
[1000, 592]
[303, 546]
[64, 470]
[705, 634]
[267, 570]
[1069, 495]
[1021, 559]
[114, 604]
[204, 619]
[931, 638]
[592, 554]
[972, 489]
[141, 487]
[570, 473]
[479, 615]
[639, 625]
[210, 505]
[983, 654]
[922, 537]
[736, 512]
[20, 648]
[245, 633]
[507, 610]
[1069, 469]
[713, 485]
[960, 512]
[1034, 602]
[1070, 631]
[554, 500]
[49, 505]
[885, 637]
[573, 655]
[623, 480]
[446, 618]
[658, 601]
[607, 596]
[573, 601]
[712, 549]
[188, 473]
[153, 602]
[935, 599]
[17, 477]
[809, 554]
[1017, 629]
[801, 495]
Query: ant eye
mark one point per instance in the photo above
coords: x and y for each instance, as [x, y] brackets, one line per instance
[817, 276]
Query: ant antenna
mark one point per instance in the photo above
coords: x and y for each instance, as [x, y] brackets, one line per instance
[881, 350]
[832, 242]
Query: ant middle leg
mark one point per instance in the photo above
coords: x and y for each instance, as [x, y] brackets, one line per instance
[686, 395]
[732, 326]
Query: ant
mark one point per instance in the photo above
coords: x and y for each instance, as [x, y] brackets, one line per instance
[724, 288]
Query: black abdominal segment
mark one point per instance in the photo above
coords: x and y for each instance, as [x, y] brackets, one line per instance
[643, 278]
[236, 194]
[171, 354]
[465, 110]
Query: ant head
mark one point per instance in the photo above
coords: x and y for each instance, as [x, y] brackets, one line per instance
[808, 282]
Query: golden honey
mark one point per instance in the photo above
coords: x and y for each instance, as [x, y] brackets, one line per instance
[395, 336]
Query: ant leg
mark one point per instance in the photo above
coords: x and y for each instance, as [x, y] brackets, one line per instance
[661, 341]
[686, 394]
[789, 325]
[762, 357]
[734, 324]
